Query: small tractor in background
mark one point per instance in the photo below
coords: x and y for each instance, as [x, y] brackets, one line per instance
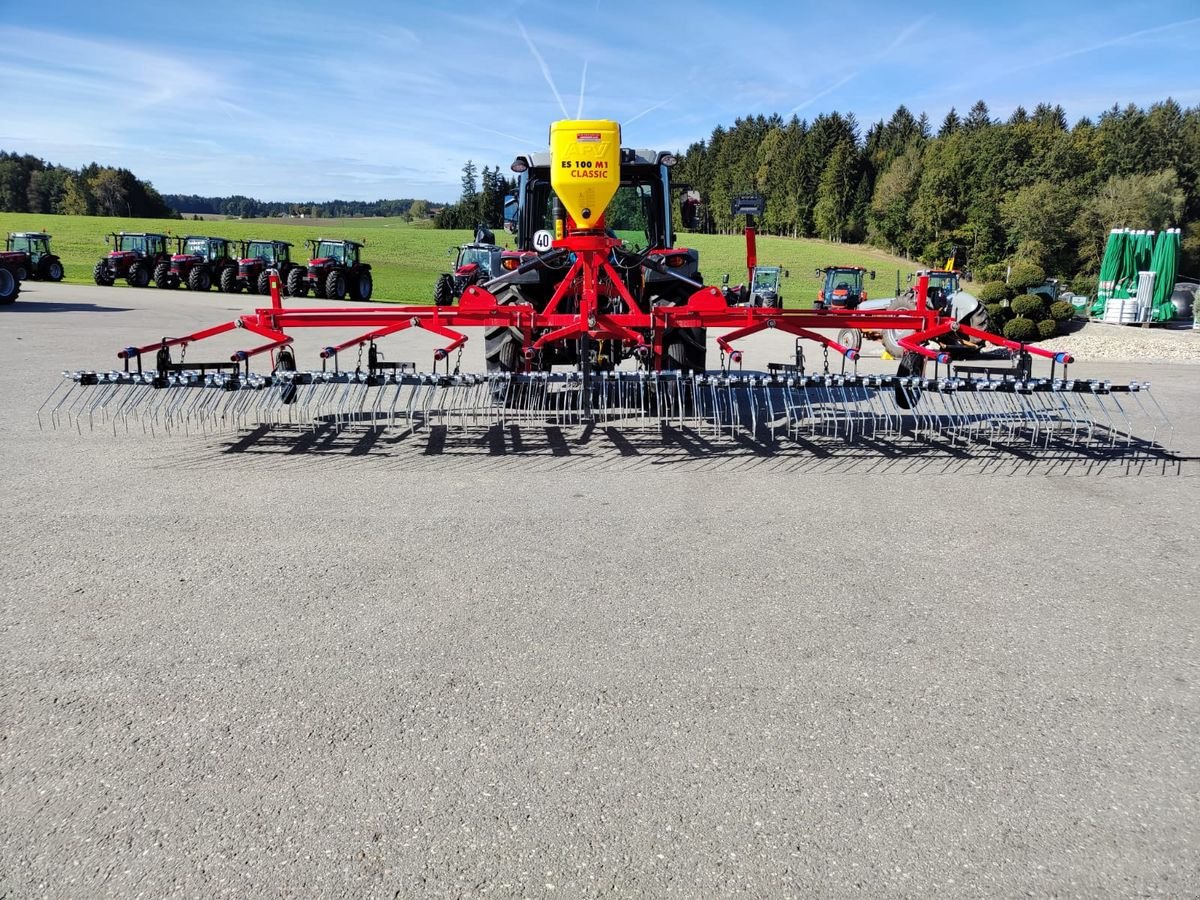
[844, 287]
[475, 263]
[135, 256]
[252, 271]
[762, 287]
[200, 263]
[39, 263]
[334, 272]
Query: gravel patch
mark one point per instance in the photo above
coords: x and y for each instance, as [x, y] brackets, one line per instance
[1095, 341]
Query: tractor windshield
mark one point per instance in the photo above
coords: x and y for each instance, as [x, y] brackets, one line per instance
[132, 242]
[480, 256]
[334, 250]
[637, 213]
[263, 250]
[844, 282]
[196, 247]
[766, 278]
[946, 282]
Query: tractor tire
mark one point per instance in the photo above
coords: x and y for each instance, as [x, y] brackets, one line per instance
[683, 348]
[296, 285]
[162, 276]
[229, 281]
[101, 275]
[318, 286]
[335, 286]
[911, 364]
[199, 279]
[443, 291]
[10, 286]
[285, 361]
[264, 283]
[890, 337]
[502, 346]
[53, 269]
[362, 287]
[21, 273]
[850, 337]
[139, 275]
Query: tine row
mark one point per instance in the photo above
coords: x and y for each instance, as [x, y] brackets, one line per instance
[1038, 413]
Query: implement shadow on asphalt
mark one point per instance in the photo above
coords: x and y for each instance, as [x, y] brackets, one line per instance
[529, 449]
[37, 306]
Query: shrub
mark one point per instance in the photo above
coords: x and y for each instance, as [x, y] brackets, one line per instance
[1062, 310]
[997, 315]
[992, 272]
[1020, 329]
[1047, 328]
[993, 292]
[1031, 306]
[1025, 275]
[1084, 285]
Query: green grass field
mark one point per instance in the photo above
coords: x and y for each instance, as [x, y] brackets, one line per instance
[407, 259]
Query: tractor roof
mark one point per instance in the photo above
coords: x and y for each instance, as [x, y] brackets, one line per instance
[204, 237]
[337, 241]
[269, 241]
[152, 234]
[629, 157]
[28, 234]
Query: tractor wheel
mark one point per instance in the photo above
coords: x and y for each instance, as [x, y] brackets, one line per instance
[891, 338]
[101, 276]
[443, 291]
[318, 286]
[911, 365]
[264, 282]
[139, 275]
[199, 279]
[691, 352]
[502, 346]
[362, 287]
[850, 337]
[21, 273]
[296, 285]
[285, 361]
[10, 286]
[335, 286]
[54, 270]
[162, 276]
[229, 281]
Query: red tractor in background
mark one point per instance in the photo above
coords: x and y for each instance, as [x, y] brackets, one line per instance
[844, 287]
[334, 271]
[39, 263]
[10, 284]
[253, 269]
[135, 256]
[475, 263]
[200, 263]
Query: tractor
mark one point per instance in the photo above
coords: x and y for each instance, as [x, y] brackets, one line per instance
[653, 271]
[843, 287]
[200, 263]
[39, 263]
[474, 263]
[135, 256]
[334, 271]
[253, 269]
[10, 283]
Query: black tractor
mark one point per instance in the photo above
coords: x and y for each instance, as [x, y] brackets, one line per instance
[474, 263]
[334, 272]
[200, 263]
[135, 256]
[39, 263]
[253, 269]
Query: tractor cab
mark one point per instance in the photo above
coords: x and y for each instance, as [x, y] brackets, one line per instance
[328, 252]
[943, 284]
[271, 254]
[843, 287]
[137, 244]
[35, 243]
[201, 249]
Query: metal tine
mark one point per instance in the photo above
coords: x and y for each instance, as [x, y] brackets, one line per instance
[66, 386]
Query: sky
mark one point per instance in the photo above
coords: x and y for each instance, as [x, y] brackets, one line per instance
[366, 100]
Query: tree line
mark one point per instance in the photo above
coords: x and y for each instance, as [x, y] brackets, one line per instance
[32, 185]
[1031, 188]
[248, 207]
[480, 203]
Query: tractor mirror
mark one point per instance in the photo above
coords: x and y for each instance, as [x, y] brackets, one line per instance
[967, 276]
[817, 273]
[725, 278]
[787, 274]
[510, 211]
[687, 214]
[872, 274]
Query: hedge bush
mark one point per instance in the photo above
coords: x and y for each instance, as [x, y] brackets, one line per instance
[1047, 328]
[993, 292]
[1062, 310]
[1031, 306]
[1084, 285]
[997, 315]
[1025, 275]
[1021, 329]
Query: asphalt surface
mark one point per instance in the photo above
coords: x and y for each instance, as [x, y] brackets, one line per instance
[231, 668]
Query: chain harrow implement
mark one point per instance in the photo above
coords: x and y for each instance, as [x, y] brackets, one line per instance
[932, 397]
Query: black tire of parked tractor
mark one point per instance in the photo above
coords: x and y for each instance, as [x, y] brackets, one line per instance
[101, 276]
[362, 287]
[296, 285]
[162, 276]
[264, 282]
[502, 346]
[443, 291]
[691, 352]
[139, 275]
[850, 337]
[229, 281]
[335, 286]
[10, 286]
[20, 273]
[50, 269]
[891, 338]
[911, 365]
[199, 279]
[318, 286]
